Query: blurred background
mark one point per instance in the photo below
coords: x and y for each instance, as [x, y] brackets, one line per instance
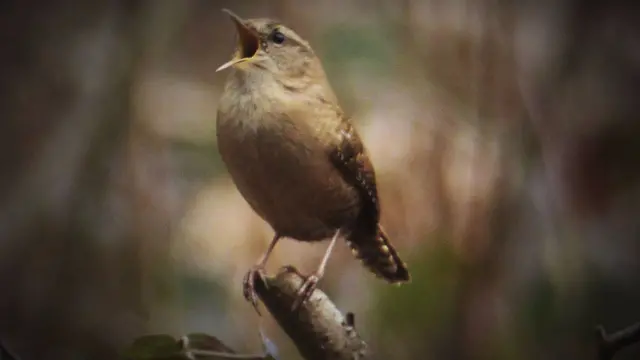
[504, 133]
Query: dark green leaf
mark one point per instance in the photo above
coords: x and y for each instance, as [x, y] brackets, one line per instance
[202, 341]
[154, 347]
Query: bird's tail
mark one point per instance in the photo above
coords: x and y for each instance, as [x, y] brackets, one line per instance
[379, 256]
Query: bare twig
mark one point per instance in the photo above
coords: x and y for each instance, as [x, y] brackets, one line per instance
[318, 330]
[609, 345]
[6, 353]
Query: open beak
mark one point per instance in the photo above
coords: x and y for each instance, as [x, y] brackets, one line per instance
[248, 39]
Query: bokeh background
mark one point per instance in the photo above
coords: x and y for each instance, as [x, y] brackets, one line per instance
[504, 133]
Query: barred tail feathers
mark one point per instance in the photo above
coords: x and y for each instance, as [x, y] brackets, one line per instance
[379, 256]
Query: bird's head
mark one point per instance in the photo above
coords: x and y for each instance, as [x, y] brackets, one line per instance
[264, 45]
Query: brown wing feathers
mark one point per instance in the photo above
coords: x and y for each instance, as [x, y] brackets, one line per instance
[367, 239]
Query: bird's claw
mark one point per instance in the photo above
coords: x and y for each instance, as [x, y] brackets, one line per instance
[306, 289]
[290, 269]
[249, 286]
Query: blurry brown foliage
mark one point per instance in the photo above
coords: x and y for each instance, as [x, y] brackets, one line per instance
[503, 133]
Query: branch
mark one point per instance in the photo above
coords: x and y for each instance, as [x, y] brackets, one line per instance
[6, 354]
[318, 330]
[609, 345]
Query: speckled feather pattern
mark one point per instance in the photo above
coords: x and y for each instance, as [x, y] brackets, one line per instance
[367, 240]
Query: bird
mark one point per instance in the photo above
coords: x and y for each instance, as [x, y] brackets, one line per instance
[295, 156]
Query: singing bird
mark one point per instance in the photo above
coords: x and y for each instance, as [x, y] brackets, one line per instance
[294, 155]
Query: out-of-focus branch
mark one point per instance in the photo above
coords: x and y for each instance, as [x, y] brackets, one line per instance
[318, 330]
[6, 353]
[609, 345]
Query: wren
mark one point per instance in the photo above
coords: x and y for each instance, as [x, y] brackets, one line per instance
[295, 156]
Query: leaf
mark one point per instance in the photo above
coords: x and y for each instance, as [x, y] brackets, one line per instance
[154, 347]
[203, 341]
[189, 347]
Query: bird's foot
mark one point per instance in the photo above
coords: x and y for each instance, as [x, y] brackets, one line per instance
[289, 269]
[249, 283]
[306, 289]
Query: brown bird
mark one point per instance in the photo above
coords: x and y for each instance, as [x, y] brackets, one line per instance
[294, 155]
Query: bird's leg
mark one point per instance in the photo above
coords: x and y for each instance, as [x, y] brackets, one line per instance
[248, 284]
[311, 282]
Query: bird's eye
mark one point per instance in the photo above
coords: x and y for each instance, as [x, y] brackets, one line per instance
[277, 37]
